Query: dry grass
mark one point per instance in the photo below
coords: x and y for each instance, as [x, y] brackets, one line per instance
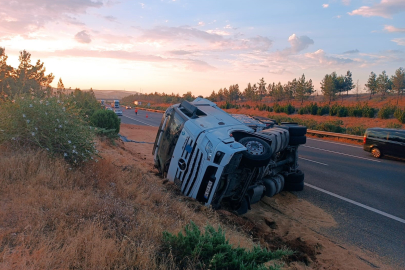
[98, 217]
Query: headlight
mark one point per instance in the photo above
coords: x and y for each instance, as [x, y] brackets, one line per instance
[209, 150]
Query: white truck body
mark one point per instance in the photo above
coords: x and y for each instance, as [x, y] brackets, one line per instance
[197, 147]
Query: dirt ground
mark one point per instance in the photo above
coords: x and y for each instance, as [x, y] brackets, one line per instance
[283, 219]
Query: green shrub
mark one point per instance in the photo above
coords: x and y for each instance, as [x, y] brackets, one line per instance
[400, 115]
[211, 250]
[106, 119]
[386, 111]
[394, 125]
[289, 109]
[357, 130]
[323, 110]
[53, 124]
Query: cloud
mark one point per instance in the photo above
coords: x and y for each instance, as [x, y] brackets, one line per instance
[219, 32]
[393, 29]
[187, 64]
[325, 5]
[299, 43]
[351, 51]
[180, 52]
[320, 57]
[385, 9]
[260, 43]
[23, 17]
[201, 23]
[164, 33]
[83, 37]
[346, 2]
[110, 18]
[399, 41]
[280, 71]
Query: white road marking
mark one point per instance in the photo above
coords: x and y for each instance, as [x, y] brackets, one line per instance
[334, 143]
[313, 161]
[357, 203]
[139, 121]
[341, 153]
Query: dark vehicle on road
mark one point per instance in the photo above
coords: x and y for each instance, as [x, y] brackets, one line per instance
[385, 141]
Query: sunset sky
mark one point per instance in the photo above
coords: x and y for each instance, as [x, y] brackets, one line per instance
[200, 46]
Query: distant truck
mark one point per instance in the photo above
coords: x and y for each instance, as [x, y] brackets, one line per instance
[137, 103]
[223, 161]
[116, 104]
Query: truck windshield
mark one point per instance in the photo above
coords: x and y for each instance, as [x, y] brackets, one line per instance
[171, 132]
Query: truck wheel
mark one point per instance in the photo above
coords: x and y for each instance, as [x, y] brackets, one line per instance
[297, 140]
[271, 188]
[258, 151]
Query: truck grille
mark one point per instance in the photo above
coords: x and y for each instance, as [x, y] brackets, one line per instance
[193, 158]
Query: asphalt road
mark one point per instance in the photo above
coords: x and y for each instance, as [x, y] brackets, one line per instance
[366, 196]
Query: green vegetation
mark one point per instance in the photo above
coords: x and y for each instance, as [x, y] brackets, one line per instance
[106, 119]
[330, 126]
[55, 120]
[400, 115]
[211, 250]
[53, 124]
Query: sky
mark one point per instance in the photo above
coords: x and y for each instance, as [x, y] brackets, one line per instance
[175, 46]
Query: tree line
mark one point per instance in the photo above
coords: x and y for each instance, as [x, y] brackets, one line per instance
[382, 84]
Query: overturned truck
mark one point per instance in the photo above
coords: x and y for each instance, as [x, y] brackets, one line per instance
[225, 161]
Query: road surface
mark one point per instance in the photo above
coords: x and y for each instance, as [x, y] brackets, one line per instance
[366, 196]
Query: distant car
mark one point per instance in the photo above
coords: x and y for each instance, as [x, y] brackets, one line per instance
[385, 141]
[109, 108]
[128, 107]
[118, 112]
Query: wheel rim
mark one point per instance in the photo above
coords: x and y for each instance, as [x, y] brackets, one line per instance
[376, 152]
[255, 148]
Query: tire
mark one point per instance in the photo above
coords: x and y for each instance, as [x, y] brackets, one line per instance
[279, 181]
[271, 188]
[297, 140]
[376, 152]
[258, 152]
[289, 186]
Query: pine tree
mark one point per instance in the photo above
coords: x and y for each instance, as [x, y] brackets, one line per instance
[398, 82]
[328, 87]
[383, 83]
[372, 84]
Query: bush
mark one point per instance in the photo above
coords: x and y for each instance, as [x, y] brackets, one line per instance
[323, 110]
[386, 111]
[211, 250]
[400, 115]
[106, 119]
[289, 109]
[53, 124]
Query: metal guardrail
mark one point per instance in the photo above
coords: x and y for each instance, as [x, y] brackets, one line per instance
[336, 135]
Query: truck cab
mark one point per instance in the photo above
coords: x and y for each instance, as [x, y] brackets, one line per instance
[220, 161]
